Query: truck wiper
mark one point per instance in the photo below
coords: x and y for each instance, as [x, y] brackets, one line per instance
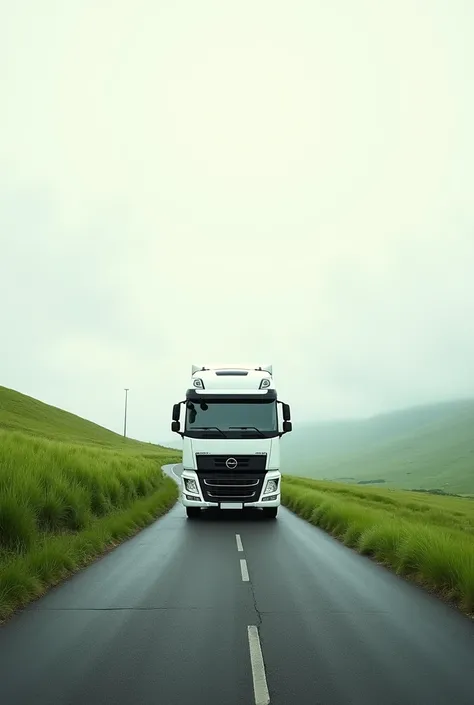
[248, 428]
[209, 428]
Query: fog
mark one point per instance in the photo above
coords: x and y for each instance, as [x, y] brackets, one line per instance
[285, 182]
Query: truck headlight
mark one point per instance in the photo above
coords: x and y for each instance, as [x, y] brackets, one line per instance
[272, 486]
[191, 485]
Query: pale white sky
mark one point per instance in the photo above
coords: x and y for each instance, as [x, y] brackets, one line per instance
[290, 182]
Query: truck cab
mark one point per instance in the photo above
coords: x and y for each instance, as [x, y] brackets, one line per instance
[231, 423]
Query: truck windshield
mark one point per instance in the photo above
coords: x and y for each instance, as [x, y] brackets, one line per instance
[234, 420]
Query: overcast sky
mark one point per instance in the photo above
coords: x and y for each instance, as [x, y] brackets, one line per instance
[287, 182]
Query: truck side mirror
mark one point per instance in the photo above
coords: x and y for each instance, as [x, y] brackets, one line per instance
[287, 426]
[176, 412]
[175, 426]
[286, 412]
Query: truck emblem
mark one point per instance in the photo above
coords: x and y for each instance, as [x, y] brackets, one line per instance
[231, 463]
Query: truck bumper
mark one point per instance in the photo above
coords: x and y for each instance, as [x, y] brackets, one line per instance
[229, 505]
[193, 499]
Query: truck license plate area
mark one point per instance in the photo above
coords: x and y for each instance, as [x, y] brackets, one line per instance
[231, 505]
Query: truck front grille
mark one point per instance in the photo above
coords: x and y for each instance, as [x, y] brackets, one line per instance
[228, 482]
[217, 463]
[231, 487]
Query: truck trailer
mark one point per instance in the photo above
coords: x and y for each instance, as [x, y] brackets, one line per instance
[231, 422]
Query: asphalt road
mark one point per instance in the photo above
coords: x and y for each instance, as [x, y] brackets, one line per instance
[227, 610]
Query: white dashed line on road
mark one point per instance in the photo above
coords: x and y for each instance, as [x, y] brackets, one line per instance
[239, 542]
[260, 688]
[244, 570]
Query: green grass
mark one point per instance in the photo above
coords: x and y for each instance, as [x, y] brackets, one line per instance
[19, 412]
[429, 448]
[64, 501]
[426, 538]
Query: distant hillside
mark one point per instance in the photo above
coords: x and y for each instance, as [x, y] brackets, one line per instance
[429, 447]
[19, 412]
[175, 443]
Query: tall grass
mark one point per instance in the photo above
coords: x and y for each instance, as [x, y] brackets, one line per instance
[427, 539]
[62, 503]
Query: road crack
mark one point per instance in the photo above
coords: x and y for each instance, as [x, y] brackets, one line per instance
[255, 606]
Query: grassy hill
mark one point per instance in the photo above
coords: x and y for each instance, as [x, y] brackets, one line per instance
[68, 490]
[19, 412]
[429, 447]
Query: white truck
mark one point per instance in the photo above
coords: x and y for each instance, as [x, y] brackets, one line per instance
[231, 423]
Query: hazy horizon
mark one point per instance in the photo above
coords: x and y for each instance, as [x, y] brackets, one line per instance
[320, 421]
[288, 182]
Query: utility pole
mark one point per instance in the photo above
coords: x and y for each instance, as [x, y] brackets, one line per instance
[125, 415]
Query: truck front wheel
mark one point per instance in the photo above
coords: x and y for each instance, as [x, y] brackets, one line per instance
[193, 512]
[270, 513]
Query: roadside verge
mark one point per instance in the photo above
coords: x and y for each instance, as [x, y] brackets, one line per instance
[427, 540]
[29, 569]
